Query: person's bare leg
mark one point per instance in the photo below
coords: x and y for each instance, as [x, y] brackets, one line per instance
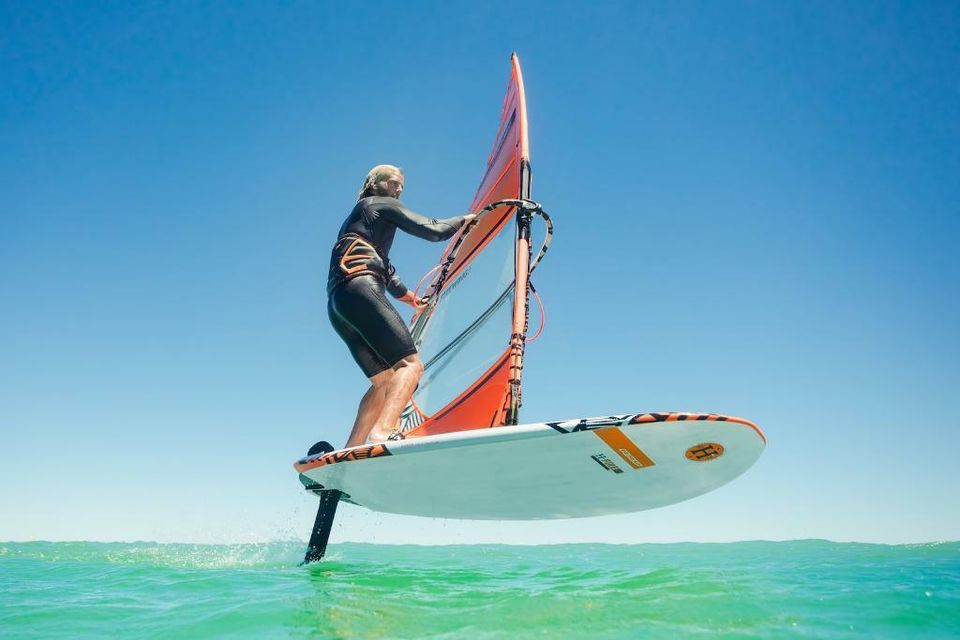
[370, 408]
[398, 390]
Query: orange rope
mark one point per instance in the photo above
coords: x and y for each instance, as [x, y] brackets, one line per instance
[543, 315]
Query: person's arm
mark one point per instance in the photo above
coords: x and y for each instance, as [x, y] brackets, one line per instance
[394, 285]
[421, 226]
[399, 291]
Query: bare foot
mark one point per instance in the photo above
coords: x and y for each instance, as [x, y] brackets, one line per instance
[377, 436]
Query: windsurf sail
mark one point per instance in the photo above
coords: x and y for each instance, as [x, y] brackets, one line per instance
[472, 335]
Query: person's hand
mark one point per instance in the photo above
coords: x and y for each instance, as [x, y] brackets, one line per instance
[414, 301]
[467, 218]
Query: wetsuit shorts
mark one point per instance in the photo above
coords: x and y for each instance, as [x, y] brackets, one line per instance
[374, 332]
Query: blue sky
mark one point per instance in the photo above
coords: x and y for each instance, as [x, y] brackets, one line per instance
[772, 188]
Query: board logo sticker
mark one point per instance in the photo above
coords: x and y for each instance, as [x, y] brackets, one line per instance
[607, 463]
[624, 447]
[705, 451]
[588, 424]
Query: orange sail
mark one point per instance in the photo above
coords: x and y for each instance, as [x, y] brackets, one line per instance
[472, 336]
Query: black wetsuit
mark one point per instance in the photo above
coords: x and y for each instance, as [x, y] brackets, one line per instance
[360, 271]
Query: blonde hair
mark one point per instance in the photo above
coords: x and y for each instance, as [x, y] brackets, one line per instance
[373, 177]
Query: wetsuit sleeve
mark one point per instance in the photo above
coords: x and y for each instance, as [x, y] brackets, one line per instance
[394, 285]
[419, 225]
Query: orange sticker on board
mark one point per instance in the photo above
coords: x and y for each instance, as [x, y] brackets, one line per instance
[705, 451]
[624, 447]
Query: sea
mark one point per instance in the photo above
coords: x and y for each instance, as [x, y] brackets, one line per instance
[800, 589]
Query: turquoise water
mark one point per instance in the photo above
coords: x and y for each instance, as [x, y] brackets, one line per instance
[807, 589]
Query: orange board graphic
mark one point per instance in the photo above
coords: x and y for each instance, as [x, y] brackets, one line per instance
[624, 447]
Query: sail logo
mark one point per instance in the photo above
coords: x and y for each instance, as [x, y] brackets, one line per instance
[460, 278]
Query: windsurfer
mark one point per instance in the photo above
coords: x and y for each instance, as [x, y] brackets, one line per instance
[360, 271]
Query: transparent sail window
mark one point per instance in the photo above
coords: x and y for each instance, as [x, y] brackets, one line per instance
[471, 323]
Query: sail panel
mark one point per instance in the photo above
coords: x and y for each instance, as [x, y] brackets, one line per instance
[468, 339]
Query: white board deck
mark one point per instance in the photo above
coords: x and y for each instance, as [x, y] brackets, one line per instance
[564, 469]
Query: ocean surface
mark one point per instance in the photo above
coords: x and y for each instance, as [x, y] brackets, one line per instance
[805, 589]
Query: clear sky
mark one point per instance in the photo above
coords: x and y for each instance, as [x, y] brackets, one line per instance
[756, 208]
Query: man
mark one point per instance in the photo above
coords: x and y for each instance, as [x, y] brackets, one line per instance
[360, 272]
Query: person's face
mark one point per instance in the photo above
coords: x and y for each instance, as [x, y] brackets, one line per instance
[391, 185]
